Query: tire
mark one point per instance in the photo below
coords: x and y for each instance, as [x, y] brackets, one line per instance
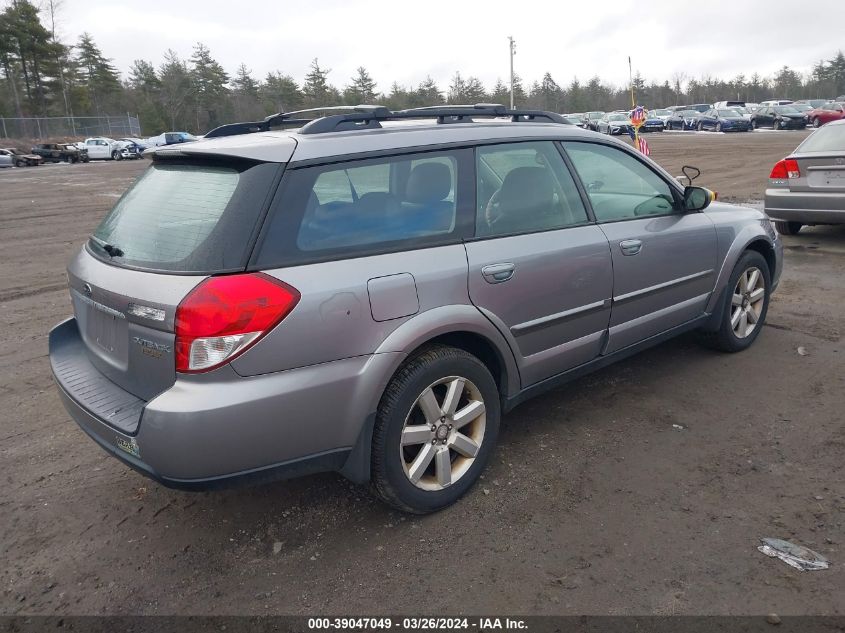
[788, 228]
[20, 163]
[116, 155]
[718, 127]
[753, 124]
[776, 125]
[700, 127]
[816, 123]
[726, 338]
[393, 464]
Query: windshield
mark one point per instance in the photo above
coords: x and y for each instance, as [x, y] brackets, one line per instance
[801, 107]
[186, 217]
[660, 112]
[786, 110]
[617, 117]
[731, 114]
[689, 113]
[828, 138]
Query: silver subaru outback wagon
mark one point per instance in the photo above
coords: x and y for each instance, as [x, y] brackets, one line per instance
[368, 291]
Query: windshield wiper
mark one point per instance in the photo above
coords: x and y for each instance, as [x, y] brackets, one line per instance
[111, 249]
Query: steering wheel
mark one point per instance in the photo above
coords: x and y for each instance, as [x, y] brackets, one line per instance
[491, 210]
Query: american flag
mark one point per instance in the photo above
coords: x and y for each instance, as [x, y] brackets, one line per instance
[638, 116]
[644, 150]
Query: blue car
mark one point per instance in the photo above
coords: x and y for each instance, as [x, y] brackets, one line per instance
[723, 120]
[652, 124]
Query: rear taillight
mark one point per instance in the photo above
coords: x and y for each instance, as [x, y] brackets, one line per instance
[223, 316]
[786, 168]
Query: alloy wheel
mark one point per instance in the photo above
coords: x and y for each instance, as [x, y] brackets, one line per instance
[747, 302]
[443, 433]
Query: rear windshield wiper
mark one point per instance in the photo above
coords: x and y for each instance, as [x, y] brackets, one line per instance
[111, 249]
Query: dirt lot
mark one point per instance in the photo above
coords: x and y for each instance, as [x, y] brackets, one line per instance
[595, 502]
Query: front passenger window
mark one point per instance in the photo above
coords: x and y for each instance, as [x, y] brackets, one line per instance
[620, 186]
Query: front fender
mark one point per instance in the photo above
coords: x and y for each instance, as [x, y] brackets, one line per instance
[748, 234]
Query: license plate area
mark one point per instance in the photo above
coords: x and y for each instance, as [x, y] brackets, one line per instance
[102, 330]
[830, 178]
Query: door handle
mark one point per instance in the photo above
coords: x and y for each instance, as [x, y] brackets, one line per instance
[630, 247]
[497, 273]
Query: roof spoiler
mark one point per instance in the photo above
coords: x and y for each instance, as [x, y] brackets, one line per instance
[370, 117]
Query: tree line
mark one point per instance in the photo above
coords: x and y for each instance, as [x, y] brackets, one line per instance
[44, 76]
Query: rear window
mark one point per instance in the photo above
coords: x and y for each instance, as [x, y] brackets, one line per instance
[186, 217]
[369, 206]
[828, 138]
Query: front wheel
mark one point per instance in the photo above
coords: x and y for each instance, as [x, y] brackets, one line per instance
[787, 228]
[718, 127]
[753, 124]
[116, 155]
[744, 312]
[700, 127]
[776, 125]
[816, 122]
[20, 163]
[435, 429]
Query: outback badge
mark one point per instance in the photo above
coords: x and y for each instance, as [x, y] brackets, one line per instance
[130, 446]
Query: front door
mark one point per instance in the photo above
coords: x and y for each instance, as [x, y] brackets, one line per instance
[664, 259]
[538, 269]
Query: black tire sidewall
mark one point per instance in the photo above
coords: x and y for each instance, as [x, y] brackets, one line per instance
[393, 419]
[749, 259]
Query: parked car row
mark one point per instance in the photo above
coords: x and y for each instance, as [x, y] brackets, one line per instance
[722, 116]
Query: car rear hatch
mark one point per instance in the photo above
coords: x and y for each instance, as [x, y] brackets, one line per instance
[186, 218]
[820, 173]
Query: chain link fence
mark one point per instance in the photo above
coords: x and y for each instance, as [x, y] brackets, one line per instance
[73, 126]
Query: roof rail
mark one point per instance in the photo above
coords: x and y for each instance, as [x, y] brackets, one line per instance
[370, 117]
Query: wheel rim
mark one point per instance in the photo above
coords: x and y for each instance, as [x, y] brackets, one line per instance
[749, 297]
[443, 432]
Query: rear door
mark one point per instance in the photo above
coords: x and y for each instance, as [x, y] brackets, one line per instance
[539, 269]
[664, 259]
[179, 223]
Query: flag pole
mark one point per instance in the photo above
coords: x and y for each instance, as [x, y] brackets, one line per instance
[633, 104]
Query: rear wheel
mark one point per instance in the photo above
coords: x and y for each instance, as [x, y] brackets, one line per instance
[788, 228]
[435, 429]
[747, 303]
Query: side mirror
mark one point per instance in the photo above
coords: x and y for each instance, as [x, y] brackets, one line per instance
[697, 198]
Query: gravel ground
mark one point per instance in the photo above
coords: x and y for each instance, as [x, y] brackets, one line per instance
[641, 489]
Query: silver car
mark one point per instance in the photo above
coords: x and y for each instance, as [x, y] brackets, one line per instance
[369, 295]
[808, 186]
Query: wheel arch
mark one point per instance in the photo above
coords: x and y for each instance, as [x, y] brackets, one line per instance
[751, 237]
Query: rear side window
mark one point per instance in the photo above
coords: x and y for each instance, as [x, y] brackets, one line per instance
[525, 187]
[187, 217]
[368, 206]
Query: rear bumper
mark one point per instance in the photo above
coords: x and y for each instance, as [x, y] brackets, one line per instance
[219, 429]
[805, 207]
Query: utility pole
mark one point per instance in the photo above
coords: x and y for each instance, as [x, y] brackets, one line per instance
[512, 44]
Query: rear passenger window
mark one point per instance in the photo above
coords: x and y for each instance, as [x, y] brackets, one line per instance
[525, 187]
[366, 206]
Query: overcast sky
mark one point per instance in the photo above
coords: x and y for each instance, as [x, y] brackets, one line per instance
[567, 39]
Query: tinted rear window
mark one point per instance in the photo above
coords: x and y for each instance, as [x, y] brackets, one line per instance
[828, 138]
[187, 217]
[369, 206]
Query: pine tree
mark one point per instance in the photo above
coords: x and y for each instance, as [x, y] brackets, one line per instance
[316, 88]
[209, 88]
[280, 93]
[362, 89]
[176, 90]
[97, 73]
[243, 83]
